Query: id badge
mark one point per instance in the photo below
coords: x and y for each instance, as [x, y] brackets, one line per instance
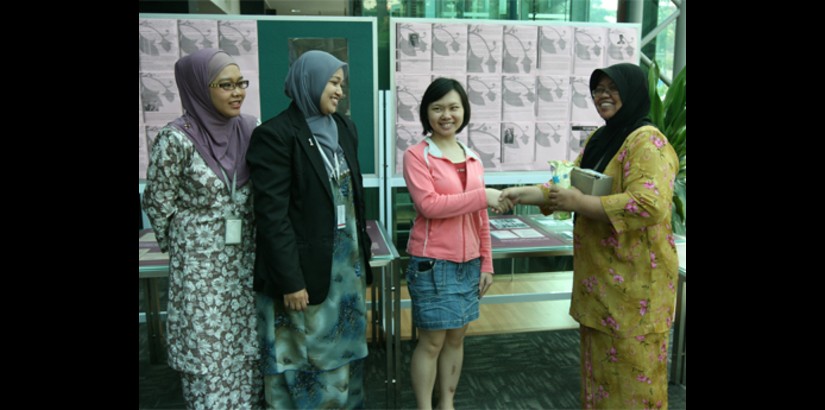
[342, 217]
[233, 230]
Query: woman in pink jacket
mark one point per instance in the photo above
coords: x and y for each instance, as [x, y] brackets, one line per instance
[451, 264]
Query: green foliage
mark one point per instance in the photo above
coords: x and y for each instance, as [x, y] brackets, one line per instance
[669, 114]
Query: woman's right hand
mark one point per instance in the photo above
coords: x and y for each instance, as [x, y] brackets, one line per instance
[527, 195]
[494, 201]
[297, 301]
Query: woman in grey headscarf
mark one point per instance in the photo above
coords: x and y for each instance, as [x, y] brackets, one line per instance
[312, 246]
[200, 206]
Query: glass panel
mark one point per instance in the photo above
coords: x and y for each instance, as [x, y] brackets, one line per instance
[461, 9]
[666, 39]
[551, 10]
[603, 11]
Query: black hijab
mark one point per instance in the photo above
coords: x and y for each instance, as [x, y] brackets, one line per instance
[605, 143]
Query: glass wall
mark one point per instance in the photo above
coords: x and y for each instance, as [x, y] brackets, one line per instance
[557, 10]
[594, 11]
[661, 50]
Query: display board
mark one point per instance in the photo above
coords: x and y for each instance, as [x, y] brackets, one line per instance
[263, 46]
[527, 83]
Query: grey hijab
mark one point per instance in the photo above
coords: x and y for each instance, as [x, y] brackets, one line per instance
[305, 82]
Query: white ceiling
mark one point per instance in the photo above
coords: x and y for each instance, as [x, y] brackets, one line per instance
[309, 7]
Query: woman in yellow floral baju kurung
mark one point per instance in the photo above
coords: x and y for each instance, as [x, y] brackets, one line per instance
[625, 262]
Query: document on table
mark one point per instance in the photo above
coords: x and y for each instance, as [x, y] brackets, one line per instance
[508, 223]
[505, 234]
[527, 233]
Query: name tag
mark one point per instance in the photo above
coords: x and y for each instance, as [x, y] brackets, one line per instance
[342, 217]
[233, 230]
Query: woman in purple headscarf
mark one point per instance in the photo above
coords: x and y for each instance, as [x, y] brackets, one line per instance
[312, 246]
[199, 201]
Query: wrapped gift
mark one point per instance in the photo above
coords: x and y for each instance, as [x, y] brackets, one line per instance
[560, 175]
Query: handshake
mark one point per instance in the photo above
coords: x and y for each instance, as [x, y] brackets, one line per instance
[502, 201]
[499, 202]
[555, 195]
[558, 199]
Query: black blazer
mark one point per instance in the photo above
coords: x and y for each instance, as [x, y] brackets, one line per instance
[294, 208]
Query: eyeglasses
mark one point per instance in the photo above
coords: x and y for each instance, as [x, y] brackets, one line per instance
[227, 86]
[599, 91]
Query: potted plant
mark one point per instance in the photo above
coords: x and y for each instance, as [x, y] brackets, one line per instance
[669, 115]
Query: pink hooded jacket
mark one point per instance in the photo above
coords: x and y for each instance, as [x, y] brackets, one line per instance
[452, 222]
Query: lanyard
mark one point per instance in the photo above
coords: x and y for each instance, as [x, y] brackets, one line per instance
[337, 169]
[234, 182]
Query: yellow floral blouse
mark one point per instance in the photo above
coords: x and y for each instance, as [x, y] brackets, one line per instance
[625, 272]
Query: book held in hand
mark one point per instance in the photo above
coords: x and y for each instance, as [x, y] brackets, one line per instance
[591, 182]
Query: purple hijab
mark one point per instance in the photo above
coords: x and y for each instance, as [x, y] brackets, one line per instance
[221, 141]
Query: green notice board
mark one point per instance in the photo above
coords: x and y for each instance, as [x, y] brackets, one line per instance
[273, 52]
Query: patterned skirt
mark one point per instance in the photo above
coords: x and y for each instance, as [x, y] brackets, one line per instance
[314, 358]
[341, 388]
[623, 373]
[235, 388]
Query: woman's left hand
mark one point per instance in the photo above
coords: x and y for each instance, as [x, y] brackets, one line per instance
[484, 283]
[564, 199]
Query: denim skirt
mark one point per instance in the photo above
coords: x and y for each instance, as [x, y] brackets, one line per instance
[444, 294]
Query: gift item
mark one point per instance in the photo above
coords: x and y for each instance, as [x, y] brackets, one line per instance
[560, 171]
